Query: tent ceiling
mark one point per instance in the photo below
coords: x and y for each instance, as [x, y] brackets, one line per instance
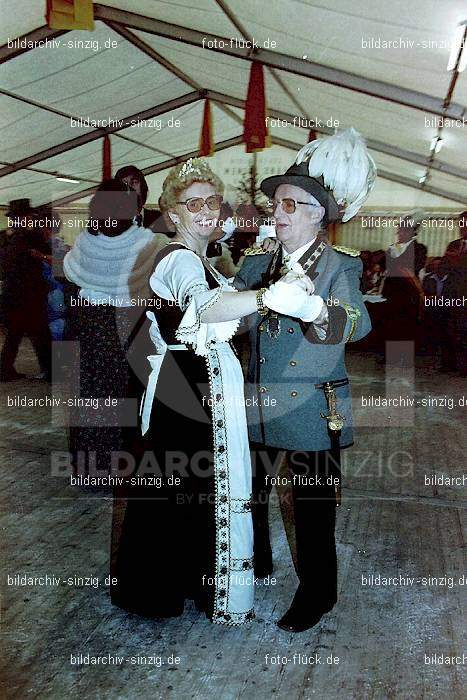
[98, 82]
[201, 15]
[332, 32]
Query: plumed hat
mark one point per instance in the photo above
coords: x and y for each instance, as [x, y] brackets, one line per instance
[337, 170]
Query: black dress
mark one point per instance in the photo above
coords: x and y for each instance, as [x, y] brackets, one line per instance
[177, 540]
[105, 363]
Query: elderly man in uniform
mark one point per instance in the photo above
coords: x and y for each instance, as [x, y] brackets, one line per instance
[298, 397]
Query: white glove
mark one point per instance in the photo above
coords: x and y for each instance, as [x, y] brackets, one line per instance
[290, 299]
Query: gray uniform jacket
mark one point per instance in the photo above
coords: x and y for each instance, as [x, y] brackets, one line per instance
[283, 396]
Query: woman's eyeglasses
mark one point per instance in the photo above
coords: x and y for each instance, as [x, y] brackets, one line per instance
[195, 204]
[288, 205]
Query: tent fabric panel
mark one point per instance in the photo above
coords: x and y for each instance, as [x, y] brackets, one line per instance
[447, 182]
[86, 161]
[204, 15]
[212, 71]
[343, 35]
[38, 187]
[184, 138]
[27, 129]
[78, 78]
[20, 17]
[374, 117]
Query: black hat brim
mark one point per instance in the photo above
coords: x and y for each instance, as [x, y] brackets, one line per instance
[307, 183]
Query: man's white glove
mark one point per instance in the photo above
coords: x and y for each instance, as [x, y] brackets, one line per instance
[290, 299]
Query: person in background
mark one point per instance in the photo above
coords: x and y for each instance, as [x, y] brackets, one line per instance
[403, 291]
[162, 223]
[455, 288]
[24, 293]
[406, 252]
[133, 177]
[16, 214]
[365, 256]
[458, 247]
[248, 220]
[106, 291]
[436, 317]
[48, 226]
[377, 273]
[435, 277]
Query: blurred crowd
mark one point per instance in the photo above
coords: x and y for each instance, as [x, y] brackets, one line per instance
[418, 300]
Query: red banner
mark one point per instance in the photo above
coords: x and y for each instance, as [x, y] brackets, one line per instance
[206, 141]
[106, 159]
[255, 130]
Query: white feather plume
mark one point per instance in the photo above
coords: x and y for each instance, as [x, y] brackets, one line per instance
[347, 168]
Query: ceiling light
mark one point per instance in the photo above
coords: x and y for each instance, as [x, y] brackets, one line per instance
[457, 48]
[62, 178]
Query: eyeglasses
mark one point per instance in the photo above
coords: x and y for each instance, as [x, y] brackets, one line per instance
[195, 204]
[288, 205]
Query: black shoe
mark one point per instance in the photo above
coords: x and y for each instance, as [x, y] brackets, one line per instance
[297, 619]
[11, 376]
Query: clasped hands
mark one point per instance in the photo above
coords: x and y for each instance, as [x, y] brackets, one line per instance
[293, 295]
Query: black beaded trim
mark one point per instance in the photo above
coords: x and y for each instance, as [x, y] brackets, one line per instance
[199, 287]
[207, 304]
[314, 256]
[241, 505]
[221, 481]
[231, 618]
[242, 564]
[223, 510]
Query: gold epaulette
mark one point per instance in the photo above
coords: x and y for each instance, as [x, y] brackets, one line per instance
[254, 251]
[348, 251]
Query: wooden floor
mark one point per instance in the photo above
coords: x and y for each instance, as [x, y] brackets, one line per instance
[390, 525]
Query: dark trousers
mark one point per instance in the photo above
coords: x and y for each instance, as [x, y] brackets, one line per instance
[19, 324]
[313, 476]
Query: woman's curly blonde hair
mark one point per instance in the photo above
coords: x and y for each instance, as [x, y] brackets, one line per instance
[182, 176]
